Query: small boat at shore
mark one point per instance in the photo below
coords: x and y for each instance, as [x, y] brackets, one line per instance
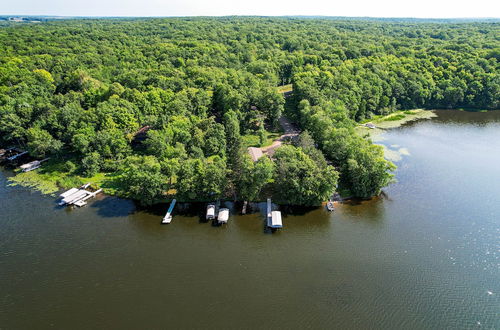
[223, 216]
[330, 206]
[210, 212]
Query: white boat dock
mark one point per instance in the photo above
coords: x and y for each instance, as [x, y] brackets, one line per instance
[78, 196]
[82, 202]
[74, 197]
[223, 215]
[273, 217]
[168, 217]
[32, 165]
[17, 155]
[68, 192]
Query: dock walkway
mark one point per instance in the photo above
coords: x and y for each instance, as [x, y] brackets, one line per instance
[168, 217]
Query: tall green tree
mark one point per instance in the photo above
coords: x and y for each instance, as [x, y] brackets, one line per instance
[143, 180]
[299, 180]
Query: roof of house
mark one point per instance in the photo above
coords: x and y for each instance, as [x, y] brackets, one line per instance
[255, 153]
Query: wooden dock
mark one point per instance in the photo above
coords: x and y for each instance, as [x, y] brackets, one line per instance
[168, 217]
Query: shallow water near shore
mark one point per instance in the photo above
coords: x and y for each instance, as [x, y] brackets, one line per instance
[426, 255]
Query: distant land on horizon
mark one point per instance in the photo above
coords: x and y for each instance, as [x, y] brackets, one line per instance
[31, 18]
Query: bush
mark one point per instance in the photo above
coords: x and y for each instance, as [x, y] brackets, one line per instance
[396, 117]
[91, 164]
[69, 167]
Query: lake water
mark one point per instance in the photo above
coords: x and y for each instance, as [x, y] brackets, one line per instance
[426, 255]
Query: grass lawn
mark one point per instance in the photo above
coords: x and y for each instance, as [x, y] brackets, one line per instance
[252, 140]
[52, 177]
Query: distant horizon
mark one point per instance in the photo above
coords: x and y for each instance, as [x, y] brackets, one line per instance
[423, 9]
[276, 16]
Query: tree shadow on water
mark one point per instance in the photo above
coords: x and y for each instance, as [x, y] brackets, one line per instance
[113, 207]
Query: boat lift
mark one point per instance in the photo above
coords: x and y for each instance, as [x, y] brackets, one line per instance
[273, 217]
[223, 216]
[210, 212]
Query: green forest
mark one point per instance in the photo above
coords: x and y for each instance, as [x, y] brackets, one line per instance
[166, 107]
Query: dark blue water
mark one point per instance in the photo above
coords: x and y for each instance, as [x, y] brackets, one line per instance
[424, 256]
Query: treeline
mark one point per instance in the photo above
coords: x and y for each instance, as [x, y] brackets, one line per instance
[81, 90]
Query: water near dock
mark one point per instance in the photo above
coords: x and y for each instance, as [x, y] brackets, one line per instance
[424, 256]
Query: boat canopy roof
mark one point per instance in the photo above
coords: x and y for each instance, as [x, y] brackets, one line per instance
[211, 210]
[276, 219]
[223, 215]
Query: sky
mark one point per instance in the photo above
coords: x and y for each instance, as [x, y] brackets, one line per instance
[371, 8]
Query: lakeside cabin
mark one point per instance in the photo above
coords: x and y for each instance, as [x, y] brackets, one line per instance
[223, 216]
[210, 212]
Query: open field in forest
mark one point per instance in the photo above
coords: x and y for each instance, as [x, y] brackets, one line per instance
[285, 88]
[253, 140]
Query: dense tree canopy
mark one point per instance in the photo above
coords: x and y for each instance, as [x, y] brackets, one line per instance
[167, 101]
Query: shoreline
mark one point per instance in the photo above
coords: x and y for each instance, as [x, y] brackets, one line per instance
[394, 120]
[51, 178]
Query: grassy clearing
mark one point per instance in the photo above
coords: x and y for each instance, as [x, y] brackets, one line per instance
[399, 118]
[52, 177]
[396, 117]
[253, 140]
[285, 88]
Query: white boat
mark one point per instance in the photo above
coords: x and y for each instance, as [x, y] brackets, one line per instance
[167, 219]
[223, 215]
[210, 212]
